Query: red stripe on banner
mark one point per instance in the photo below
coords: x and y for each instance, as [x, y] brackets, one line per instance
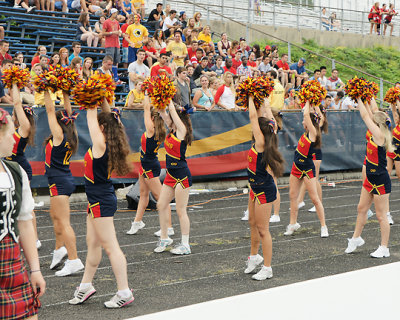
[198, 166]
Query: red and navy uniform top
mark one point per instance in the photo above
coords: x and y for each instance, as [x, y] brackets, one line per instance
[148, 148]
[257, 173]
[376, 158]
[368, 135]
[18, 153]
[57, 158]
[396, 136]
[96, 169]
[175, 149]
[304, 150]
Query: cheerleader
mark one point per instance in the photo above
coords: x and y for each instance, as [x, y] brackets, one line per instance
[178, 181]
[150, 168]
[60, 146]
[19, 295]
[317, 159]
[24, 135]
[377, 184]
[109, 152]
[303, 167]
[263, 160]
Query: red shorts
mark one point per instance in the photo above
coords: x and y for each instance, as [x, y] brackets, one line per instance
[178, 176]
[300, 172]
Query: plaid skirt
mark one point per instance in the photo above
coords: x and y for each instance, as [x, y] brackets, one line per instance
[17, 299]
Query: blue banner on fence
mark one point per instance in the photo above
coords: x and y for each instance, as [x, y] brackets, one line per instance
[221, 142]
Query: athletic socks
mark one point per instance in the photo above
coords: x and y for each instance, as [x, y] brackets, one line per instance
[126, 293]
[185, 240]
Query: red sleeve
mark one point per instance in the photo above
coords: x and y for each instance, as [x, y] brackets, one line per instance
[168, 69]
[219, 93]
[154, 71]
[123, 28]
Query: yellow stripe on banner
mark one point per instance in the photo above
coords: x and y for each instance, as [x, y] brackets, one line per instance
[210, 144]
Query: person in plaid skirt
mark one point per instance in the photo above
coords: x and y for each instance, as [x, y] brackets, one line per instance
[18, 294]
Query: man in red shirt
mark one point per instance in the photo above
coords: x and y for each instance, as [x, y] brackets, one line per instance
[237, 60]
[111, 32]
[196, 58]
[125, 44]
[161, 67]
[228, 67]
[4, 46]
[192, 50]
[284, 70]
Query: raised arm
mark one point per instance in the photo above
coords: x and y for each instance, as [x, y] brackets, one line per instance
[376, 132]
[67, 103]
[180, 126]
[307, 121]
[24, 124]
[96, 135]
[148, 122]
[395, 112]
[105, 107]
[321, 116]
[55, 128]
[255, 127]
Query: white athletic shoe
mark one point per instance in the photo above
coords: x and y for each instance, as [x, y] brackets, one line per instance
[170, 232]
[163, 244]
[181, 249]
[136, 226]
[312, 209]
[369, 213]
[118, 302]
[381, 252]
[70, 267]
[80, 296]
[291, 228]
[38, 244]
[301, 205]
[245, 215]
[353, 244]
[58, 256]
[390, 219]
[252, 263]
[264, 273]
[275, 218]
[324, 232]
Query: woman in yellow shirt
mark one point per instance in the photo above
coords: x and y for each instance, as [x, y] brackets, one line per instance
[135, 97]
[205, 36]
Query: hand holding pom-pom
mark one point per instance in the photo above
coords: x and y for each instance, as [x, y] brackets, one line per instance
[16, 75]
[258, 88]
[392, 95]
[46, 81]
[313, 92]
[161, 90]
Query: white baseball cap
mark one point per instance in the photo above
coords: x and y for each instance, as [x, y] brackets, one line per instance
[113, 10]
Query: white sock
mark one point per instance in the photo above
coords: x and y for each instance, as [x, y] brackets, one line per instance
[253, 257]
[85, 286]
[126, 293]
[185, 240]
[137, 222]
[170, 228]
[267, 268]
[388, 213]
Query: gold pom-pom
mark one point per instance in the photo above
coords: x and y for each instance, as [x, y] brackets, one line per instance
[90, 94]
[46, 81]
[67, 78]
[258, 88]
[392, 95]
[361, 88]
[313, 92]
[161, 90]
[16, 75]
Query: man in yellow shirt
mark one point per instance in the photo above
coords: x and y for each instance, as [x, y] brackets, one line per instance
[178, 49]
[135, 34]
[277, 96]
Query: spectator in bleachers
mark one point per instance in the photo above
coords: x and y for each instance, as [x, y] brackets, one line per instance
[373, 17]
[244, 69]
[284, 72]
[125, 43]
[195, 34]
[106, 66]
[299, 71]
[161, 67]
[289, 102]
[156, 17]
[203, 98]
[229, 67]
[98, 28]
[167, 10]
[61, 5]
[237, 60]
[54, 60]
[397, 85]
[267, 51]
[192, 49]
[138, 70]
[126, 8]
[178, 49]
[211, 60]
[44, 60]
[41, 50]
[388, 19]
[87, 68]
[334, 22]
[170, 25]
[264, 66]
[63, 57]
[257, 51]
[76, 50]
[35, 4]
[205, 36]
[323, 80]
[348, 103]
[325, 20]
[316, 74]
[197, 21]
[202, 69]
[5, 97]
[274, 66]
[79, 5]
[135, 97]
[217, 68]
[159, 40]
[76, 64]
[214, 85]
[84, 31]
[197, 57]
[190, 71]
[253, 63]
[20, 57]
[182, 19]
[223, 45]
[277, 97]
[138, 7]
[233, 49]
[327, 102]
[94, 8]
[244, 47]
[225, 95]
[182, 85]
[1, 32]
[334, 84]
[151, 52]
[4, 47]
[111, 33]
[136, 34]
[337, 101]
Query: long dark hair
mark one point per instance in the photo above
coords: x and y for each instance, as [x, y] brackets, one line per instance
[159, 126]
[117, 141]
[271, 155]
[325, 125]
[69, 131]
[315, 121]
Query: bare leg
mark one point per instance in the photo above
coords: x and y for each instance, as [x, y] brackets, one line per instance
[382, 207]
[311, 185]
[181, 199]
[166, 195]
[363, 205]
[294, 188]
[254, 235]
[94, 252]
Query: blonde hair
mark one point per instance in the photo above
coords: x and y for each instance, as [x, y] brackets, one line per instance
[381, 118]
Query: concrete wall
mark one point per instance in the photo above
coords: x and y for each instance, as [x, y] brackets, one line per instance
[324, 38]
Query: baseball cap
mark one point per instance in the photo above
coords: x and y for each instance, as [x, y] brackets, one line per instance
[242, 39]
[181, 13]
[267, 47]
[304, 60]
[204, 58]
[113, 10]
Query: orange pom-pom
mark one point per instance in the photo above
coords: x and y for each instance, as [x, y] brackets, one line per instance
[20, 77]
[161, 90]
[361, 88]
[258, 88]
[392, 95]
[313, 92]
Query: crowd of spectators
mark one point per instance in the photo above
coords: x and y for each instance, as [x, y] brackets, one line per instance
[381, 15]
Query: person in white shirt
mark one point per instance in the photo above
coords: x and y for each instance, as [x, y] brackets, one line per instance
[323, 79]
[334, 84]
[169, 24]
[348, 104]
[138, 70]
